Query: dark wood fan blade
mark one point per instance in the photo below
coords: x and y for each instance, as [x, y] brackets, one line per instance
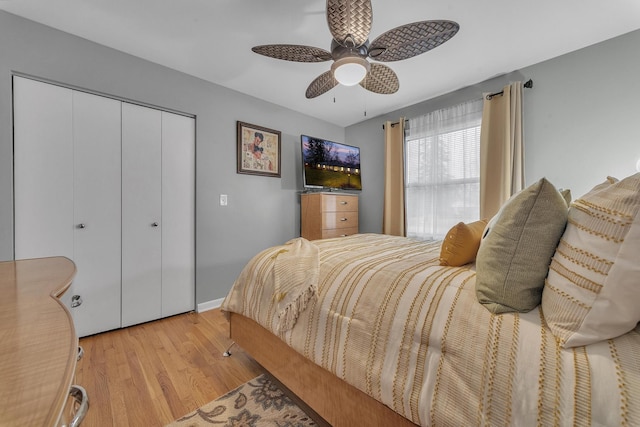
[381, 79]
[293, 52]
[321, 84]
[410, 40]
[349, 21]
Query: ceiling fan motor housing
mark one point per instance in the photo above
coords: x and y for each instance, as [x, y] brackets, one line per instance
[339, 51]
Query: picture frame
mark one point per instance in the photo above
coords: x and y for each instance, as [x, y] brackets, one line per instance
[258, 150]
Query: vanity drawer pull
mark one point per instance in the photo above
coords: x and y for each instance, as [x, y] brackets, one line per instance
[81, 398]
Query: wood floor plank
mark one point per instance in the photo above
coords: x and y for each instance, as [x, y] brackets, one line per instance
[151, 374]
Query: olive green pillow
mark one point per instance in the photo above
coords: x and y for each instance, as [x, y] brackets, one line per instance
[514, 256]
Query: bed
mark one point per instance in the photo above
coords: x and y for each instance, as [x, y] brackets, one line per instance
[372, 330]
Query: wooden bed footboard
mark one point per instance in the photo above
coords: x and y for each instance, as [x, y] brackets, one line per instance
[333, 399]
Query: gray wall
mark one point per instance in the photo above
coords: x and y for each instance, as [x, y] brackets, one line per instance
[581, 124]
[262, 211]
[582, 121]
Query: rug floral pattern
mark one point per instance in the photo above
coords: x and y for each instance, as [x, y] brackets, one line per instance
[257, 403]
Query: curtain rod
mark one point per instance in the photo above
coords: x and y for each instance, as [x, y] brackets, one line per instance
[396, 123]
[528, 84]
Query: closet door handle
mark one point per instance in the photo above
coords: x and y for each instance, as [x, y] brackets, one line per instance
[81, 226]
[155, 224]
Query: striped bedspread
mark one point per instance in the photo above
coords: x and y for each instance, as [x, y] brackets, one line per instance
[389, 320]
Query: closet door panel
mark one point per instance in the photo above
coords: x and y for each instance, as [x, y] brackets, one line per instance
[43, 169]
[178, 214]
[141, 214]
[96, 136]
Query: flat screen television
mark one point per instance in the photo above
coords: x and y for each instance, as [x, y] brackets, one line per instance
[330, 165]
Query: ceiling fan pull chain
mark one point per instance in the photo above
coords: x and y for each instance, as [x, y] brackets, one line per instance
[364, 95]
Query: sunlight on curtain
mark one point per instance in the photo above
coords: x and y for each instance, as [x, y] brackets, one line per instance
[393, 215]
[502, 149]
[443, 170]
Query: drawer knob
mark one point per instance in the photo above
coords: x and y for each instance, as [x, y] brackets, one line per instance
[344, 203]
[76, 301]
[343, 219]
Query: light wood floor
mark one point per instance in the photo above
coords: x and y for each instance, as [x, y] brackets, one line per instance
[151, 374]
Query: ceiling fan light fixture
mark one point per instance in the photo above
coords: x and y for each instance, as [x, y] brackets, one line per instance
[350, 71]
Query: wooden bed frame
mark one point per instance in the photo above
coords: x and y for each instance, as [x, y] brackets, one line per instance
[332, 398]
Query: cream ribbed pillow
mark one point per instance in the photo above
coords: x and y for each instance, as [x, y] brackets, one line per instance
[593, 289]
[514, 256]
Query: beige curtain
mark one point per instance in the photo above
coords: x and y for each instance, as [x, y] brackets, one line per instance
[501, 149]
[393, 218]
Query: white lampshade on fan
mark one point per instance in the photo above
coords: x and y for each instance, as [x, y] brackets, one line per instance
[351, 70]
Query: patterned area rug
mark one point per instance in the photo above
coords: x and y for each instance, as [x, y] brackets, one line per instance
[259, 402]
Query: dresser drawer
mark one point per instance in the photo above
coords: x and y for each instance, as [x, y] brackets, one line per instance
[326, 215]
[339, 203]
[339, 219]
[339, 232]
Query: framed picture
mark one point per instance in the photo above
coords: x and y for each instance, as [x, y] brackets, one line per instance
[258, 150]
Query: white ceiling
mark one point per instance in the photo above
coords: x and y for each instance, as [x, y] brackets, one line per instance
[212, 39]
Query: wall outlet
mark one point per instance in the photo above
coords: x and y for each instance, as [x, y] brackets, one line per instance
[223, 200]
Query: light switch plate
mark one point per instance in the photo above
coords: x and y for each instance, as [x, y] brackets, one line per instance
[223, 200]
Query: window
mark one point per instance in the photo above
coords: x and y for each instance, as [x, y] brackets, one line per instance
[442, 182]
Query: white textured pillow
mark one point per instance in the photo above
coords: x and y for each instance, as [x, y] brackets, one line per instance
[592, 292]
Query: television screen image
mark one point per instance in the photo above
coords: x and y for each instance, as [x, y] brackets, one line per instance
[330, 165]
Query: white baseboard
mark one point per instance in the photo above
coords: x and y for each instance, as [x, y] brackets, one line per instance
[209, 305]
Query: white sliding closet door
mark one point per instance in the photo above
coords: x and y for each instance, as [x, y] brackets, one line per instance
[178, 214]
[96, 155]
[67, 192]
[43, 170]
[110, 185]
[141, 214]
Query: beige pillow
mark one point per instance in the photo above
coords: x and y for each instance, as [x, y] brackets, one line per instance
[593, 289]
[513, 259]
[461, 243]
[566, 195]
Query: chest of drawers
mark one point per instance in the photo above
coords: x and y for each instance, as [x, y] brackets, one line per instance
[326, 215]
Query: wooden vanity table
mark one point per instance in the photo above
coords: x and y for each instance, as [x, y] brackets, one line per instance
[38, 343]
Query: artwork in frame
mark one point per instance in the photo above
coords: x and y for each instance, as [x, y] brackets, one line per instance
[258, 150]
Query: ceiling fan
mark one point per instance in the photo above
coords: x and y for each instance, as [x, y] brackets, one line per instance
[350, 23]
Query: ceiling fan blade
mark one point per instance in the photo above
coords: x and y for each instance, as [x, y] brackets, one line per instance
[323, 83]
[381, 79]
[410, 40]
[293, 52]
[349, 21]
